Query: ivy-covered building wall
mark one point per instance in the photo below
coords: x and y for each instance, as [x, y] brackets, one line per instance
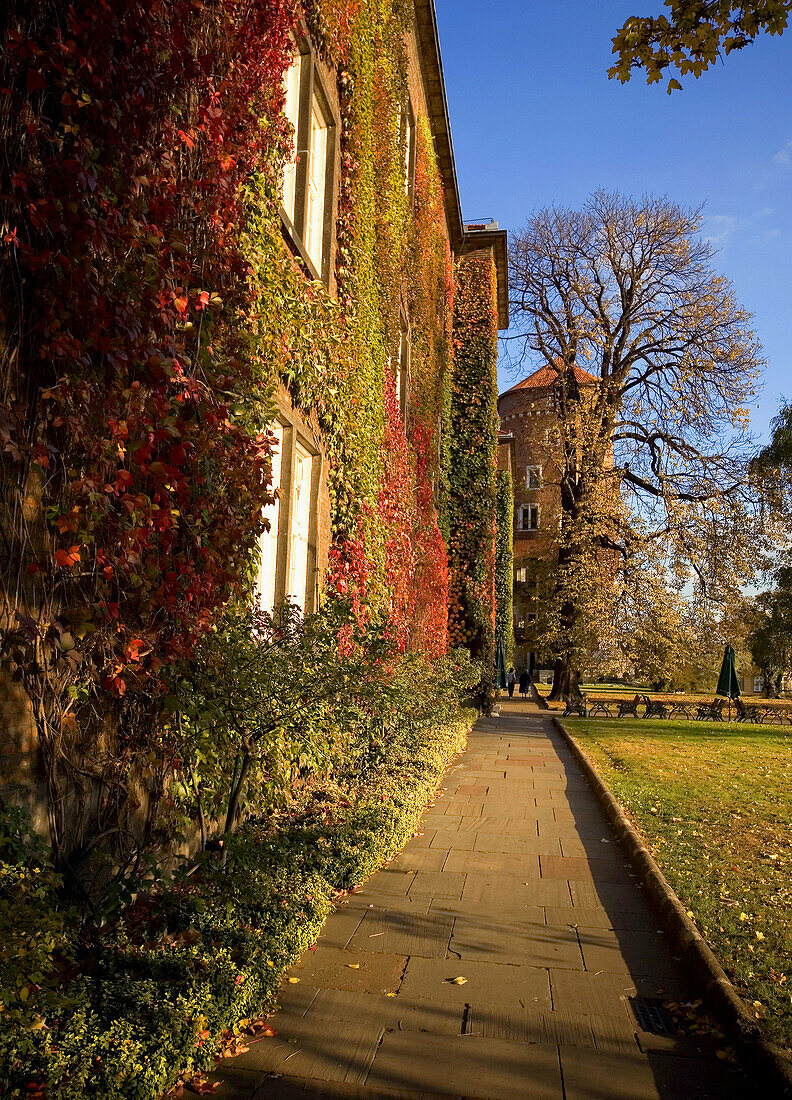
[232, 352]
[247, 503]
[504, 565]
[472, 462]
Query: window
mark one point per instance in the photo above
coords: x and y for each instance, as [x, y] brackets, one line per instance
[291, 108]
[403, 368]
[533, 477]
[268, 544]
[317, 186]
[287, 555]
[521, 575]
[409, 148]
[529, 519]
[307, 193]
[300, 525]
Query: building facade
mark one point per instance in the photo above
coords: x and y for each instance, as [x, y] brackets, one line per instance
[530, 442]
[309, 296]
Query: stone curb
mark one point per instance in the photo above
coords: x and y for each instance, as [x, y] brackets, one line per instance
[772, 1065]
[538, 698]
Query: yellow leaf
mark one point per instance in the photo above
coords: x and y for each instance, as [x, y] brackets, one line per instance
[354, 966]
[293, 981]
[458, 981]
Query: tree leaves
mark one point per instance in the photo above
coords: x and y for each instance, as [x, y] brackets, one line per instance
[691, 39]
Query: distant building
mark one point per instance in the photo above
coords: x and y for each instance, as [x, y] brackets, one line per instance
[530, 445]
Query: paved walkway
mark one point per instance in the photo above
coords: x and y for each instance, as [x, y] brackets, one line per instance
[518, 886]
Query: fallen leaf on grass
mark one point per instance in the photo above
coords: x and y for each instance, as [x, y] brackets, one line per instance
[293, 981]
[457, 981]
[354, 966]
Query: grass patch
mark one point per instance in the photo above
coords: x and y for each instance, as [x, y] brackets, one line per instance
[714, 804]
[169, 988]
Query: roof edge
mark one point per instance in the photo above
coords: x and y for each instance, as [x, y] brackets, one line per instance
[434, 87]
[463, 240]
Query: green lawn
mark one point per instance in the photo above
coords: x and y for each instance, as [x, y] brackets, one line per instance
[714, 803]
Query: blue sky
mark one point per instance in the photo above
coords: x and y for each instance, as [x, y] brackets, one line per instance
[536, 121]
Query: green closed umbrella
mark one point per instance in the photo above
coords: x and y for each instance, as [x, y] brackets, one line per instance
[727, 681]
[500, 665]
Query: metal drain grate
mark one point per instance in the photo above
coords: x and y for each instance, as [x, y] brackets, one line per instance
[652, 1017]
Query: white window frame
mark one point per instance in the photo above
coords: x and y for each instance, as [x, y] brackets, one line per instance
[291, 108]
[532, 512]
[316, 184]
[267, 578]
[409, 131]
[534, 472]
[403, 362]
[300, 522]
[307, 192]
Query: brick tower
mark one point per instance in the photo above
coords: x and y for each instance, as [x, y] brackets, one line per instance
[529, 423]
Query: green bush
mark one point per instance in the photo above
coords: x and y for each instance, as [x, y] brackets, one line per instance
[150, 997]
[34, 948]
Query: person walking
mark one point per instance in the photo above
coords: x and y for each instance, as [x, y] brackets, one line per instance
[525, 682]
[511, 680]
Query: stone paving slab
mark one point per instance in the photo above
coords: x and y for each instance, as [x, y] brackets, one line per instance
[331, 1049]
[285, 1088]
[339, 928]
[424, 858]
[487, 862]
[505, 892]
[593, 920]
[519, 842]
[398, 933]
[438, 884]
[579, 869]
[486, 982]
[525, 942]
[475, 1066]
[516, 883]
[628, 952]
[360, 971]
[531, 1025]
[593, 1075]
[401, 1012]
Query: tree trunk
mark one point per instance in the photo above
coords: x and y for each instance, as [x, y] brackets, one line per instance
[565, 681]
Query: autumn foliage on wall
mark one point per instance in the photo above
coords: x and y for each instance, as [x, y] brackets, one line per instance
[472, 503]
[504, 565]
[151, 308]
[134, 468]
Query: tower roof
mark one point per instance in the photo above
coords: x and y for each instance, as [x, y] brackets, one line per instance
[546, 377]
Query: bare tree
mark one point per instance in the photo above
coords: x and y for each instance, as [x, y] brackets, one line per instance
[654, 443]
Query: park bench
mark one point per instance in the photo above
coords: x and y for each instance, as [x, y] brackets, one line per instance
[681, 710]
[710, 712]
[601, 708]
[748, 713]
[576, 706]
[628, 708]
[654, 708]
